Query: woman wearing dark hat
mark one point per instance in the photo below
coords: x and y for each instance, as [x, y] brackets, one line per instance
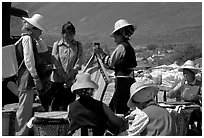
[28, 78]
[190, 91]
[147, 118]
[88, 112]
[67, 56]
[122, 61]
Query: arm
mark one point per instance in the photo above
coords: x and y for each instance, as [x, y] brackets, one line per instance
[110, 61]
[115, 120]
[175, 91]
[29, 55]
[56, 62]
[115, 56]
[41, 45]
[78, 63]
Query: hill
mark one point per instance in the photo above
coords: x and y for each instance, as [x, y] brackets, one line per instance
[158, 22]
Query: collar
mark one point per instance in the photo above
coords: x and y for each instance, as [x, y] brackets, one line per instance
[192, 83]
[63, 42]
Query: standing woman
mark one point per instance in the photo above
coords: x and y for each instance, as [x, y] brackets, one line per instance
[28, 75]
[121, 61]
[67, 59]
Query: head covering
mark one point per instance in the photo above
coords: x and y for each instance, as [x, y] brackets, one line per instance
[83, 80]
[141, 96]
[121, 24]
[36, 20]
[189, 65]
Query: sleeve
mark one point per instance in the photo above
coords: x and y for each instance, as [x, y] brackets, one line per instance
[175, 91]
[115, 120]
[115, 56]
[29, 55]
[139, 123]
[80, 58]
[41, 46]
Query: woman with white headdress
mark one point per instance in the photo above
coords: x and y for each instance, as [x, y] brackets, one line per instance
[122, 61]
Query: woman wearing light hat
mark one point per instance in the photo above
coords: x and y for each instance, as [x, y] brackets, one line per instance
[147, 118]
[86, 111]
[189, 90]
[122, 61]
[189, 71]
[28, 79]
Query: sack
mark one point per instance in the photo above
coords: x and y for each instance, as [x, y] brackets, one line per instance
[190, 93]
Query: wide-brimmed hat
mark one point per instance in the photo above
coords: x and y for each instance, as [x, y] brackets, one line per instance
[141, 96]
[36, 20]
[83, 80]
[120, 24]
[189, 65]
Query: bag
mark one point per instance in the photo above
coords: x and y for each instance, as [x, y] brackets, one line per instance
[190, 93]
[44, 69]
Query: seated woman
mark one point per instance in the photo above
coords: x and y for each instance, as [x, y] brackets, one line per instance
[147, 118]
[88, 112]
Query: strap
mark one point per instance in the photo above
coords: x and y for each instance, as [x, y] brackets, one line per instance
[16, 45]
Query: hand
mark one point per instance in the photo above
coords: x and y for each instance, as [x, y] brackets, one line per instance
[30, 122]
[38, 83]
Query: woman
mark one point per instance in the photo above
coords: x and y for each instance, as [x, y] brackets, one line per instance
[190, 90]
[122, 60]
[67, 59]
[88, 112]
[28, 75]
[147, 118]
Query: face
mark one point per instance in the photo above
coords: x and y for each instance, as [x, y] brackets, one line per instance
[68, 36]
[36, 32]
[189, 76]
[117, 38]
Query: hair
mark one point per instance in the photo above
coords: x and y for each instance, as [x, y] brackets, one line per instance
[26, 27]
[126, 32]
[68, 27]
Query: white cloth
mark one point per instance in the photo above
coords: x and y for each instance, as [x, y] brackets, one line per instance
[9, 61]
[137, 121]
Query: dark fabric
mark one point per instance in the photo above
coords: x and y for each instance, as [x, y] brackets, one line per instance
[61, 97]
[160, 122]
[7, 96]
[6, 15]
[128, 61]
[7, 11]
[88, 112]
[25, 80]
[119, 100]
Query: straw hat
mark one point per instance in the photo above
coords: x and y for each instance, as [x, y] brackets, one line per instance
[36, 20]
[83, 80]
[120, 24]
[141, 96]
[189, 65]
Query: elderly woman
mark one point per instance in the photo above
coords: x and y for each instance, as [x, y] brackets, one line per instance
[147, 118]
[122, 61]
[88, 112]
[28, 75]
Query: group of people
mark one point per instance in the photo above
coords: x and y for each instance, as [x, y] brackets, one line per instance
[73, 91]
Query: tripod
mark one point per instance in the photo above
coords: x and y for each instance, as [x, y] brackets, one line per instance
[99, 94]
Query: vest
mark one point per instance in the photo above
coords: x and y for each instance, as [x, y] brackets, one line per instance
[128, 61]
[87, 112]
[160, 122]
[24, 79]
